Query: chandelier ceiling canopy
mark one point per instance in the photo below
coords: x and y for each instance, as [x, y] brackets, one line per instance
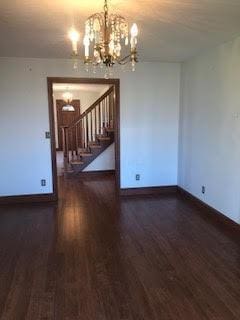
[105, 36]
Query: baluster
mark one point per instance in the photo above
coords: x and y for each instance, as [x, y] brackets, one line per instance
[107, 107]
[72, 144]
[110, 110]
[82, 133]
[103, 114]
[108, 116]
[77, 137]
[64, 141]
[113, 107]
[93, 124]
[91, 129]
[67, 144]
[95, 129]
[87, 131]
[105, 110]
[99, 118]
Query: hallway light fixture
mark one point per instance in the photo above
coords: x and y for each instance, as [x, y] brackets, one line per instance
[105, 36]
[68, 107]
[68, 98]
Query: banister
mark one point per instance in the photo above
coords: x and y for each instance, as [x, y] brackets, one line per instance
[75, 122]
[84, 130]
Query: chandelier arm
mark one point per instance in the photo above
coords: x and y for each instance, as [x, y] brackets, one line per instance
[122, 63]
[123, 60]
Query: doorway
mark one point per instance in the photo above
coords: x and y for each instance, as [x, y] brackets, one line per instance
[64, 112]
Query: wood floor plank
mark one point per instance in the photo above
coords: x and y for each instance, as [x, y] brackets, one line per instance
[95, 256]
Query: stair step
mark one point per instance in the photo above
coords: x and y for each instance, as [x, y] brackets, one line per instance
[103, 138]
[109, 129]
[85, 154]
[82, 150]
[95, 146]
[77, 162]
[69, 171]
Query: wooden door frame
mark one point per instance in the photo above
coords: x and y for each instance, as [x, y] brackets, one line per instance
[116, 84]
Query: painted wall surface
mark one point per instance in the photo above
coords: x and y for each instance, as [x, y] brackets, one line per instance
[209, 142]
[105, 161]
[149, 123]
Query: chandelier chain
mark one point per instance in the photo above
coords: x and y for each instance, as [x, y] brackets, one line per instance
[106, 12]
[105, 6]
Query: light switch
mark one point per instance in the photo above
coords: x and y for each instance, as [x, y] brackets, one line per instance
[47, 135]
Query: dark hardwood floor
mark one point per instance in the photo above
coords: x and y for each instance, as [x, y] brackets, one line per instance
[95, 257]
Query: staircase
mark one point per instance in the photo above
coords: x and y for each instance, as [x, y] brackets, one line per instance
[90, 134]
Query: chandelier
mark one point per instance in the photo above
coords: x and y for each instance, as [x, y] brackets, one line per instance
[68, 97]
[105, 36]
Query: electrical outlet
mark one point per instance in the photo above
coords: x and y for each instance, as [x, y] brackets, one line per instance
[43, 183]
[203, 189]
[137, 177]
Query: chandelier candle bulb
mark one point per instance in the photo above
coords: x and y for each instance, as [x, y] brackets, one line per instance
[86, 43]
[74, 37]
[134, 30]
[133, 66]
[134, 34]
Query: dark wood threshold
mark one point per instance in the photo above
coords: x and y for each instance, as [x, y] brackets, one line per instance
[148, 191]
[31, 198]
[210, 213]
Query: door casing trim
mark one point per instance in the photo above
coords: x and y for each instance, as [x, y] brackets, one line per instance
[116, 84]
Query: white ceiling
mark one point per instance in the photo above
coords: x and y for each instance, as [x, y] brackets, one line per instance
[170, 30]
[97, 88]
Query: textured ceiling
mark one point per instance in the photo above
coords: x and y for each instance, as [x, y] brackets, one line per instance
[170, 30]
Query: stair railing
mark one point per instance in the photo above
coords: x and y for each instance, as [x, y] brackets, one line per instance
[83, 132]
